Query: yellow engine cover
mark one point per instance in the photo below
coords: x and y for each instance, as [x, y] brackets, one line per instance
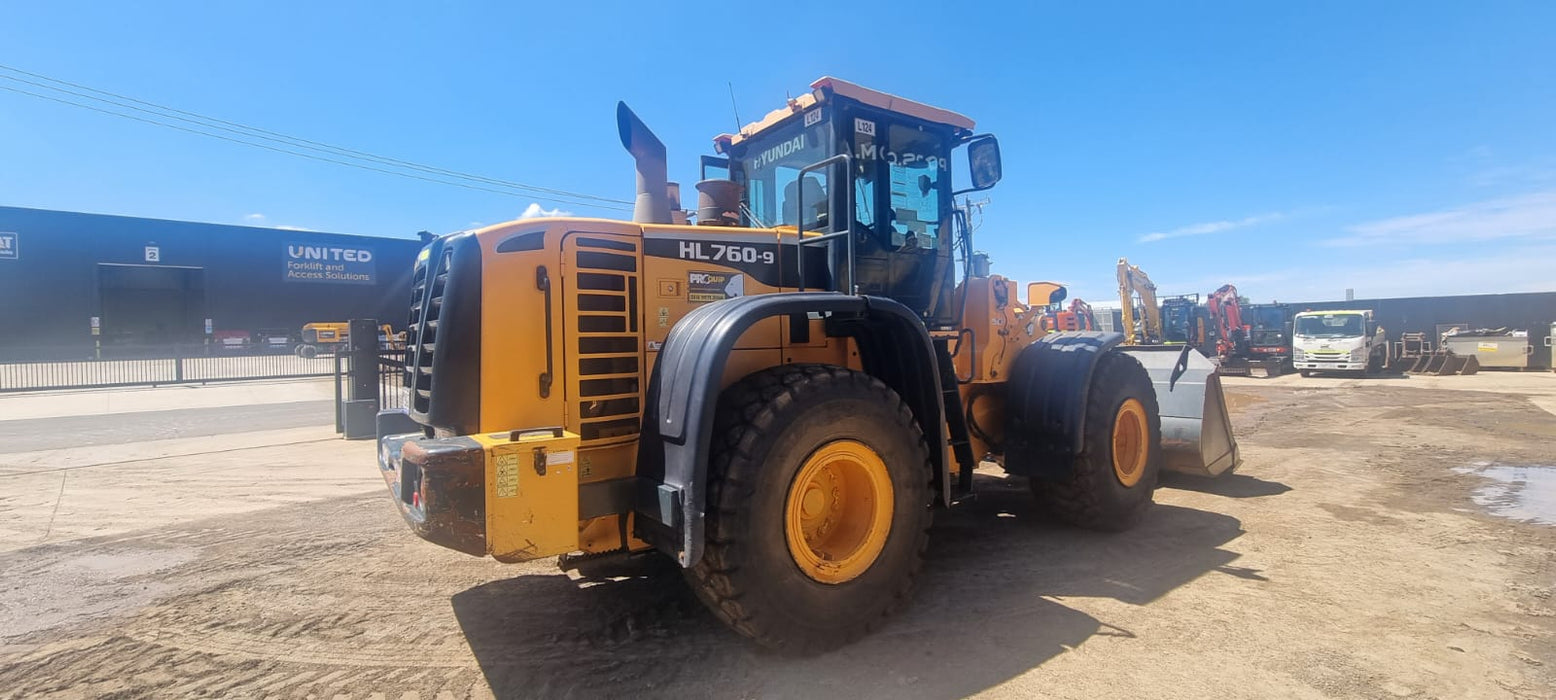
[531, 493]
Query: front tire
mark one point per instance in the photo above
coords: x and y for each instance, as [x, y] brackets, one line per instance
[1110, 483]
[1376, 363]
[818, 507]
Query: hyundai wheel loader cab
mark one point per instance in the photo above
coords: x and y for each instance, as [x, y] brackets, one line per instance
[775, 397]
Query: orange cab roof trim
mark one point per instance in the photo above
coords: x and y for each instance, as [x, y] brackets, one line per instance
[874, 98]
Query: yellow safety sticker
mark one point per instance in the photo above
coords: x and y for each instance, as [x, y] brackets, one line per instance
[507, 475]
[1486, 347]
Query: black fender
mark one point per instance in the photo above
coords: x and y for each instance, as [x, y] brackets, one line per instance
[684, 388]
[1045, 405]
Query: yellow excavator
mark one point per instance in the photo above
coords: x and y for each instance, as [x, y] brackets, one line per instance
[1146, 328]
[778, 396]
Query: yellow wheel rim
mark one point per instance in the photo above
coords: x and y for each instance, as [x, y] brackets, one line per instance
[838, 512]
[1131, 442]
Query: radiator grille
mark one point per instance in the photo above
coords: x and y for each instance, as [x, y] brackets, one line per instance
[428, 283]
[607, 367]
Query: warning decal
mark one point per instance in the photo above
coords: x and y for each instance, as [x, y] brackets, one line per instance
[507, 474]
[703, 287]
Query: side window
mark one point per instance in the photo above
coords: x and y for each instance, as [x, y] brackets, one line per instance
[815, 197]
[756, 193]
[918, 176]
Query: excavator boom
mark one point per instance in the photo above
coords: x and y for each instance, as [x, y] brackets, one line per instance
[1133, 281]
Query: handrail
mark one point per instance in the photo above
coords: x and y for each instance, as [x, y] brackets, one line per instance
[848, 226]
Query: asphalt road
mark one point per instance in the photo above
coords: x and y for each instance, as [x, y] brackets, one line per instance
[84, 431]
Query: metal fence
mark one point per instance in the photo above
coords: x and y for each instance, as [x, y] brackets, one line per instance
[380, 387]
[42, 368]
[392, 392]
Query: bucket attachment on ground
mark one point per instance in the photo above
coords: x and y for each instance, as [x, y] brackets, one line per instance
[1196, 429]
[1451, 364]
[1443, 363]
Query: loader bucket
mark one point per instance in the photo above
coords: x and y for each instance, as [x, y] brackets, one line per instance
[1451, 365]
[1471, 365]
[1196, 429]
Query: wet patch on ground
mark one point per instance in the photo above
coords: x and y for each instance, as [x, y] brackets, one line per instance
[1526, 493]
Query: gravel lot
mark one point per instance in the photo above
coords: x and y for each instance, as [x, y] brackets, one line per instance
[243, 551]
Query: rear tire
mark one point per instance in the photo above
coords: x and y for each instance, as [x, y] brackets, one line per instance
[1110, 483]
[307, 352]
[755, 573]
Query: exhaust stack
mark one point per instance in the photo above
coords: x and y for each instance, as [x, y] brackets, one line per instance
[653, 200]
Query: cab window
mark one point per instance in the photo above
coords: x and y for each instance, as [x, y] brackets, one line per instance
[907, 166]
[769, 168]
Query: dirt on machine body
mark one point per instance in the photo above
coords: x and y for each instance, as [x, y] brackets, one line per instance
[777, 396]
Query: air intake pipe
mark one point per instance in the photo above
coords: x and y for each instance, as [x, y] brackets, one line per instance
[653, 201]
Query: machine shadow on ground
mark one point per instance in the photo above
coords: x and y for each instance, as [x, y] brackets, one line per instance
[1232, 485]
[989, 608]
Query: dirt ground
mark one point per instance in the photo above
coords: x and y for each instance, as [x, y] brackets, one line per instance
[1347, 557]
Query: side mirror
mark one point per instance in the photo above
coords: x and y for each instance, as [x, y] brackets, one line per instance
[983, 162]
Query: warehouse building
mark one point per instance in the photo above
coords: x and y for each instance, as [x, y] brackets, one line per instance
[71, 281]
[1534, 312]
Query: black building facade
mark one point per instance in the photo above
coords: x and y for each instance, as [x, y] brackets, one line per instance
[71, 280]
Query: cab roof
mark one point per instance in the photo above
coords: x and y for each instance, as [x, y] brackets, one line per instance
[853, 91]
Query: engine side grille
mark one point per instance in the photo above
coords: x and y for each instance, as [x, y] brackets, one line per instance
[607, 365]
[413, 326]
[421, 338]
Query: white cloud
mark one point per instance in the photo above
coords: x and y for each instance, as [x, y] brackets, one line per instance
[1524, 216]
[535, 211]
[255, 218]
[1210, 227]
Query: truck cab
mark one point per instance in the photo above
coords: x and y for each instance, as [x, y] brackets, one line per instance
[1269, 335]
[1338, 341]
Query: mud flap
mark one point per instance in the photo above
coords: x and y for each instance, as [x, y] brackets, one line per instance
[1196, 429]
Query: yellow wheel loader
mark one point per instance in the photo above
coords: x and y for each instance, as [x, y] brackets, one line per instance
[777, 396]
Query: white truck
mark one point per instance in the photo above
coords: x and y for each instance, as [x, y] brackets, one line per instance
[1338, 341]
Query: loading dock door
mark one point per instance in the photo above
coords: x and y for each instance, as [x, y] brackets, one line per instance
[151, 304]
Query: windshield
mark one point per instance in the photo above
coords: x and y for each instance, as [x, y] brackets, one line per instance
[1330, 326]
[1177, 322]
[770, 168]
[1268, 323]
[1264, 317]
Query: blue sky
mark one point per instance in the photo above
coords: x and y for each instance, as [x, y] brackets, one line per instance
[1295, 149]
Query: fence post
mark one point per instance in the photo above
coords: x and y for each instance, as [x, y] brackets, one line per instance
[340, 407]
[178, 364]
[362, 371]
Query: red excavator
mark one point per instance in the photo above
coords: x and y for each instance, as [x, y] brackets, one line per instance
[1078, 318]
[1226, 312]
